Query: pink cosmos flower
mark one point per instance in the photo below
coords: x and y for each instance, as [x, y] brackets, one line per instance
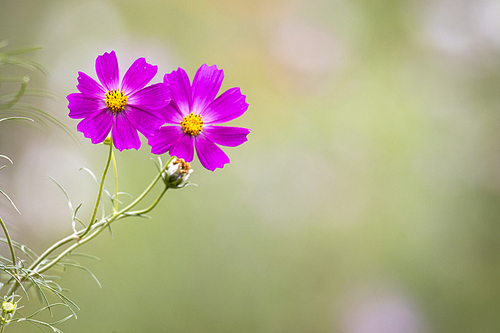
[125, 108]
[194, 111]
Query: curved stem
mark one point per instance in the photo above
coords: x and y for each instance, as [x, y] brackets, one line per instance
[74, 246]
[37, 262]
[146, 210]
[83, 236]
[115, 201]
[114, 217]
[78, 235]
[146, 191]
[9, 241]
[101, 185]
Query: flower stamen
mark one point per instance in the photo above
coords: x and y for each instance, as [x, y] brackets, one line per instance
[192, 124]
[116, 100]
[184, 166]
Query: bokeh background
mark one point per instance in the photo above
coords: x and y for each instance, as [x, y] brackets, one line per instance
[365, 201]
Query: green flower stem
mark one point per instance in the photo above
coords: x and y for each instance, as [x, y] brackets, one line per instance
[37, 262]
[99, 194]
[74, 246]
[83, 235]
[9, 241]
[144, 211]
[101, 227]
[115, 201]
[148, 189]
[78, 235]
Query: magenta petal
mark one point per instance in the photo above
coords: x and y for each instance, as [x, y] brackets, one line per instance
[106, 67]
[171, 114]
[83, 105]
[184, 147]
[206, 85]
[164, 138]
[144, 120]
[211, 156]
[228, 106]
[226, 136]
[97, 126]
[88, 85]
[138, 75]
[180, 87]
[154, 96]
[124, 134]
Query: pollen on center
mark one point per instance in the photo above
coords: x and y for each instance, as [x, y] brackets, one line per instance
[116, 100]
[192, 124]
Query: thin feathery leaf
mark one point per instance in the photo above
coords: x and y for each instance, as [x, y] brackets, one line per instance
[54, 329]
[70, 205]
[22, 50]
[24, 63]
[76, 218]
[23, 80]
[159, 164]
[10, 200]
[6, 157]
[15, 277]
[96, 180]
[137, 215]
[32, 109]
[15, 112]
[31, 93]
[62, 320]
[15, 78]
[85, 255]
[29, 252]
[14, 118]
[59, 294]
[87, 270]
[23, 248]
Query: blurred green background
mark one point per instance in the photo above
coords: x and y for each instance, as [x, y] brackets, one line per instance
[365, 201]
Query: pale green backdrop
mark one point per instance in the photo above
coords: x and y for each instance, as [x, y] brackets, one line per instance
[367, 199]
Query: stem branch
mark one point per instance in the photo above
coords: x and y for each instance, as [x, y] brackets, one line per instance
[9, 241]
[101, 185]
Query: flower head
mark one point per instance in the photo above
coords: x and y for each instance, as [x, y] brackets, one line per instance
[177, 173]
[195, 110]
[125, 108]
[8, 307]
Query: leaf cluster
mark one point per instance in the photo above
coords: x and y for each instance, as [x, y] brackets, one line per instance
[41, 285]
[12, 106]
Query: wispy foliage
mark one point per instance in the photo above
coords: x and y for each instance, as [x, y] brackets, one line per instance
[12, 105]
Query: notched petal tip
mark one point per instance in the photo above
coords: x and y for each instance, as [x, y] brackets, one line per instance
[180, 89]
[88, 85]
[228, 106]
[227, 136]
[106, 67]
[83, 105]
[210, 155]
[139, 74]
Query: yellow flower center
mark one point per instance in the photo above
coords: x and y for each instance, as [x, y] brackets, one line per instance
[116, 100]
[192, 124]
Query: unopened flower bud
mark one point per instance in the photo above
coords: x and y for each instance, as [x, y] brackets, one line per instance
[177, 173]
[8, 307]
